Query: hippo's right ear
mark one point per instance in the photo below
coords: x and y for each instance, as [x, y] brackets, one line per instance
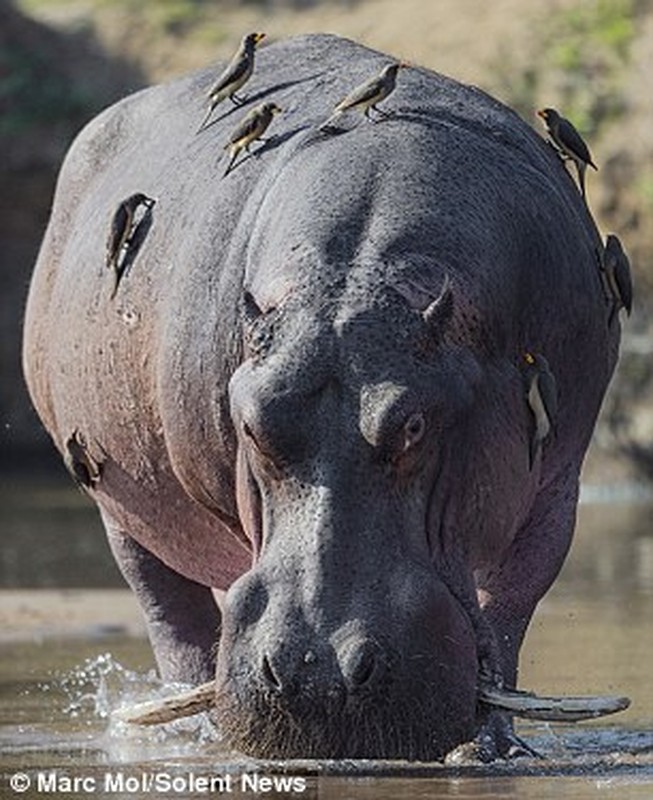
[251, 310]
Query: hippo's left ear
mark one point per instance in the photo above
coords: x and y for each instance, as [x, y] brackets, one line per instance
[438, 313]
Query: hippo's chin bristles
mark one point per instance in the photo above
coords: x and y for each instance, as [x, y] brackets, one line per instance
[375, 728]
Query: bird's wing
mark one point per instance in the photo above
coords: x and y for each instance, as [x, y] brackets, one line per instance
[252, 125]
[572, 141]
[624, 281]
[549, 393]
[234, 71]
[362, 94]
[120, 225]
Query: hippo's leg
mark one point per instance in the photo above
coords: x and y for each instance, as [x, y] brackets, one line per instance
[510, 593]
[183, 620]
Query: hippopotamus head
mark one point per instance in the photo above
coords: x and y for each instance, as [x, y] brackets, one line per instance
[346, 638]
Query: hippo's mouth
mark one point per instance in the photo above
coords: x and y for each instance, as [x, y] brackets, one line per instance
[527, 705]
[412, 723]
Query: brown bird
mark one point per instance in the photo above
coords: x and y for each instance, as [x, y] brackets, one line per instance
[123, 224]
[569, 142]
[616, 268]
[252, 127]
[366, 96]
[83, 468]
[235, 75]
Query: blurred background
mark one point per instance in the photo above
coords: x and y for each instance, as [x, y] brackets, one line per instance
[61, 61]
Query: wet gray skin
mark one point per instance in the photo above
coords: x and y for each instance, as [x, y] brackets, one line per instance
[308, 391]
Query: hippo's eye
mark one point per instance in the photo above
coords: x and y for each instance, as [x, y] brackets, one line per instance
[414, 430]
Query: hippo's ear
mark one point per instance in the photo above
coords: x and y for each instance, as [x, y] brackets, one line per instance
[251, 310]
[439, 311]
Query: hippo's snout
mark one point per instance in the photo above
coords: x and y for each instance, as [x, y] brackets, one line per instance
[360, 681]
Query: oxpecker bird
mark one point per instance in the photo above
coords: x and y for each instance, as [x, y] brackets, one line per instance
[252, 127]
[542, 398]
[235, 75]
[569, 142]
[122, 228]
[616, 267]
[83, 468]
[366, 96]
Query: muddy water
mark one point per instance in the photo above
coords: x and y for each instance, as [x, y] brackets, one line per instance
[592, 634]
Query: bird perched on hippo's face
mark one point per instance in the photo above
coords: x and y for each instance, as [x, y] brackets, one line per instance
[569, 143]
[235, 75]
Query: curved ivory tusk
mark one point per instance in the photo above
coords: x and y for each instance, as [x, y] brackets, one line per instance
[184, 704]
[521, 704]
[551, 709]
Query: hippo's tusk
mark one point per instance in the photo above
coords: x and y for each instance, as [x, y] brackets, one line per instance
[184, 704]
[551, 709]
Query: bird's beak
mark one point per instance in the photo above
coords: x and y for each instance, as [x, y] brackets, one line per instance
[541, 113]
[258, 37]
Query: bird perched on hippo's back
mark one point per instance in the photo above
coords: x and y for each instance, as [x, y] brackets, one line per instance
[235, 75]
[252, 127]
[366, 96]
[569, 143]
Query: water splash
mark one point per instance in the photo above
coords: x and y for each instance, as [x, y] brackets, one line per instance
[101, 685]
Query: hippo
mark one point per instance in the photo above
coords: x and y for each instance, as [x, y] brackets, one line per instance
[307, 402]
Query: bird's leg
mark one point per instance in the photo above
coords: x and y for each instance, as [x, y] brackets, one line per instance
[382, 114]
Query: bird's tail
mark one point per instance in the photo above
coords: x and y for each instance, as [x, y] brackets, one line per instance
[206, 119]
[231, 163]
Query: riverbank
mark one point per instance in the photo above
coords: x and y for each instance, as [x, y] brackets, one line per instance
[33, 615]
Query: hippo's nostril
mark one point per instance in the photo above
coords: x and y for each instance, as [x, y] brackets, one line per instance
[269, 675]
[359, 663]
[361, 669]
